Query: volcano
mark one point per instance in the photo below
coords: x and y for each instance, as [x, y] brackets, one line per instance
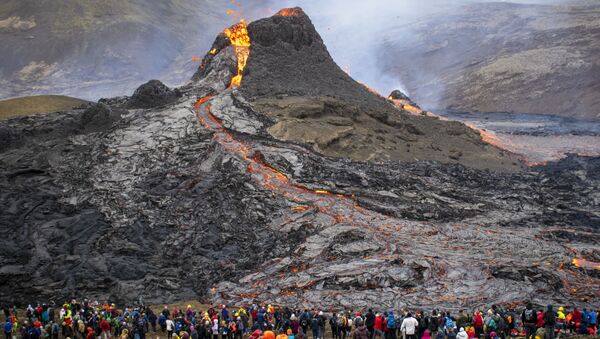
[273, 176]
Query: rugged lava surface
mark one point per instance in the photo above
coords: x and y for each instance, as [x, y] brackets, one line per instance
[199, 198]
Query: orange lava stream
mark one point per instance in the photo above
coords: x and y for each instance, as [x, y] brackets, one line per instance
[341, 208]
[586, 264]
[488, 137]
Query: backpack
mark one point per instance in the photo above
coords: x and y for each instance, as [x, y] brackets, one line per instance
[8, 327]
[450, 323]
[433, 324]
[391, 322]
[529, 317]
[304, 321]
[492, 324]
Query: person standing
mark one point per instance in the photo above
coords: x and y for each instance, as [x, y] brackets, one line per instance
[529, 319]
[105, 328]
[170, 325]
[8, 328]
[305, 321]
[409, 326]
[361, 331]
[391, 326]
[549, 322]
[314, 326]
[333, 323]
[370, 322]
[462, 320]
[322, 322]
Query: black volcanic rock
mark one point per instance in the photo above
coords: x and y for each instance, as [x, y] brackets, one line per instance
[288, 57]
[97, 116]
[398, 95]
[195, 200]
[152, 94]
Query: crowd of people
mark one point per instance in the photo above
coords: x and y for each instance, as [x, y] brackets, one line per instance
[92, 320]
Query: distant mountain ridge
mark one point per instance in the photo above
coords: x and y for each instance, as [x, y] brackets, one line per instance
[501, 57]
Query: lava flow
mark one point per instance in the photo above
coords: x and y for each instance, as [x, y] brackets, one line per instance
[586, 264]
[238, 35]
[269, 177]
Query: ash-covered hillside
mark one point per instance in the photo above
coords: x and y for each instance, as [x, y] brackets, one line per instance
[174, 194]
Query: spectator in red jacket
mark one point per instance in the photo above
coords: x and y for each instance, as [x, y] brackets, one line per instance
[378, 328]
[540, 319]
[478, 324]
[105, 327]
[577, 316]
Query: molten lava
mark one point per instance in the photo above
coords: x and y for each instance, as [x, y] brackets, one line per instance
[290, 12]
[238, 35]
[586, 264]
[488, 137]
[412, 109]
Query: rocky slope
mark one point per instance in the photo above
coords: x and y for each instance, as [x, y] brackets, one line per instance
[196, 198]
[501, 57]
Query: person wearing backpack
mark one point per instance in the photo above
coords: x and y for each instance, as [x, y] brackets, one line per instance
[432, 326]
[491, 325]
[501, 326]
[343, 325]
[361, 331]
[305, 321]
[314, 326]
[449, 323]
[8, 328]
[322, 322]
[391, 326]
[333, 323]
[529, 318]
